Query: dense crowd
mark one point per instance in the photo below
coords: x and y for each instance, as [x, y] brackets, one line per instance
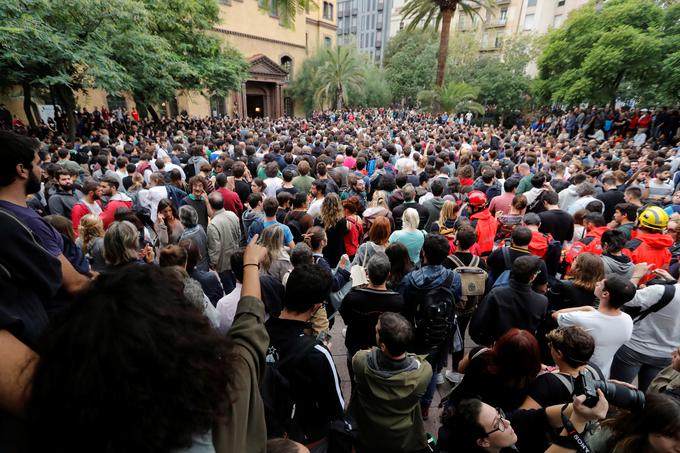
[171, 286]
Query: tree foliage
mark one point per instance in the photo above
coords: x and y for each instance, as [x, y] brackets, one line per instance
[148, 48]
[410, 60]
[454, 97]
[602, 48]
[339, 77]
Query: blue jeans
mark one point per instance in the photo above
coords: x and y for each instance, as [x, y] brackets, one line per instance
[434, 359]
[628, 364]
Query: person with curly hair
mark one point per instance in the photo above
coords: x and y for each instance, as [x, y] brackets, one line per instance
[128, 370]
[333, 221]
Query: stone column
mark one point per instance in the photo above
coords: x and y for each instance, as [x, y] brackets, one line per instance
[243, 108]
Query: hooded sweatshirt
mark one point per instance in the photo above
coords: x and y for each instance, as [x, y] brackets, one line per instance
[434, 206]
[617, 265]
[567, 197]
[485, 226]
[650, 248]
[119, 200]
[386, 401]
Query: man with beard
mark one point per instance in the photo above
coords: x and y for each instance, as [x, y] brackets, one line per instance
[89, 204]
[19, 177]
[62, 201]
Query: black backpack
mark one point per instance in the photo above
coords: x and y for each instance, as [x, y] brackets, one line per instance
[295, 229]
[277, 395]
[434, 316]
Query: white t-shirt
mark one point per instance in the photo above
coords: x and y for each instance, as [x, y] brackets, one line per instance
[609, 332]
[315, 207]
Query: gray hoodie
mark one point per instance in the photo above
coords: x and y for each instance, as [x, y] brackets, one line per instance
[617, 265]
[434, 205]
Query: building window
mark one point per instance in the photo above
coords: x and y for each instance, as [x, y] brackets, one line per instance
[557, 20]
[288, 106]
[287, 64]
[327, 41]
[328, 10]
[485, 40]
[531, 2]
[529, 22]
[461, 21]
[503, 15]
[561, 2]
[498, 43]
[473, 21]
[401, 25]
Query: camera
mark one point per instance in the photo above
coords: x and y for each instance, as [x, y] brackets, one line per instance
[617, 394]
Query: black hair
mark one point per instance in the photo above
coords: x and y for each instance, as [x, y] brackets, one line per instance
[620, 289]
[466, 237]
[538, 180]
[521, 236]
[550, 197]
[254, 199]
[463, 422]
[308, 285]
[299, 200]
[615, 240]
[510, 184]
[236, 261]
[435, 248]
[116, 349]
[524, 267]
[627, 209]
[437, 188]
[596, 219]
[395, 332]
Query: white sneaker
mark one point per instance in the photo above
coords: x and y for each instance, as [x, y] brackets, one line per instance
[440, 378]
[454, 376]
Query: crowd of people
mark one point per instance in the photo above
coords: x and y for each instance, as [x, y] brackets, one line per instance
[171, 286]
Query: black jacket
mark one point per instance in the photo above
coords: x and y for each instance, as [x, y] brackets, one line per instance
[361, 309]
[315, 383]
[515, 305]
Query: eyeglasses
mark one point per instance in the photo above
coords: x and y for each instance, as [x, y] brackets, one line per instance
[500, 424]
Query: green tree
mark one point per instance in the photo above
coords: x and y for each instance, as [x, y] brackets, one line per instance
[374, 91]
[439, 13]
[454, 97]
[342, 71]
[599, 49]
[304, 85]
[287, 10]
[150, 49]
[410, 62]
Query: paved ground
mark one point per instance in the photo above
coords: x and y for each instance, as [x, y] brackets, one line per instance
[340, 357]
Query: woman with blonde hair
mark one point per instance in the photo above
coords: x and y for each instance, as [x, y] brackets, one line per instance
[377, 208]
[333, 221]
[277, 262]
[579, 287]
[447, 219]
[91, 241]
[410, 235]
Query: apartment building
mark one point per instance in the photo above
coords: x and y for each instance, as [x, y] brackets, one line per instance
[366, 25]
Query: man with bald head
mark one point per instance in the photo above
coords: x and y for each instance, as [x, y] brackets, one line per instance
[224, 236]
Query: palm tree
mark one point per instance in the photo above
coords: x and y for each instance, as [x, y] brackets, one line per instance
[454, 97]
[440, 12]
[342, 71]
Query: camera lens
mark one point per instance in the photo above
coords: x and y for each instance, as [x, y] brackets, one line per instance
[622, 396]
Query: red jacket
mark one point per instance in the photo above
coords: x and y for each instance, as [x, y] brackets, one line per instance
[485, 226]
[539, 243]
[650, 248]
[591, 243]
[119, 200]
[79, 210]
[232, 202]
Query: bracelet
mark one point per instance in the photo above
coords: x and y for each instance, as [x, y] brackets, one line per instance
[251, 264]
